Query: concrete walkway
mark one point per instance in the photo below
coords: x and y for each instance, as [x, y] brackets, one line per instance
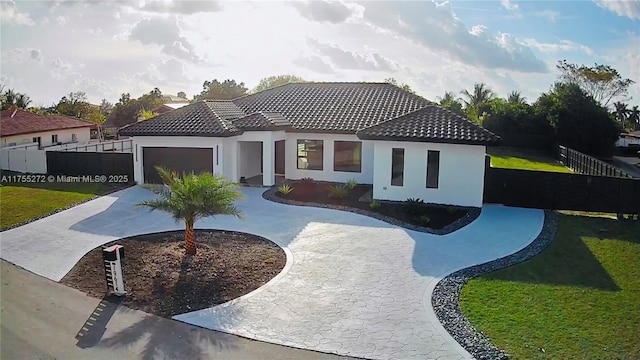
[356, 286]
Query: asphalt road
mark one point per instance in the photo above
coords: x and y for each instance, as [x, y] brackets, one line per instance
[41, 319]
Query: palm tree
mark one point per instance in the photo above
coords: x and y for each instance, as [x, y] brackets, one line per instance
[516, 98]
[23, 101]
[634, 116]
[449, 97]
[477, 100]
[190, 197]
[621, 112]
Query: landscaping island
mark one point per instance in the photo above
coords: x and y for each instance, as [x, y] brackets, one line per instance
[161, 280]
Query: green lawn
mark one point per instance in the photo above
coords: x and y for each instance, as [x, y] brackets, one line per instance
[526, 159]
[21, 203]
[579, 299]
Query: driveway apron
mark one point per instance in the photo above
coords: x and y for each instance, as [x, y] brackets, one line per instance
[353, 285]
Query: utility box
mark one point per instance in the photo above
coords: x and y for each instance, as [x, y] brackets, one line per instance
[112, 257]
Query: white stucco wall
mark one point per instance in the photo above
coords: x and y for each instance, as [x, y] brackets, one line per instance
[140, 142]
[327, 173]
[461, 180]
[64, 136]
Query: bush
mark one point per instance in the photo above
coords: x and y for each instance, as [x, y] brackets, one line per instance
[451, 209]
[374, 204]
[351, 184]
[414, 207]
[307, 180]
[285, 189]
[424, 220]
[338, 191]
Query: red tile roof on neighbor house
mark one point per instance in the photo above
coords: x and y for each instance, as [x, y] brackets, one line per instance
[17, 122]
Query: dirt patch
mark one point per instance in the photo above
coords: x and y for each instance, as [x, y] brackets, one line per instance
[161, 280]
[318, 192]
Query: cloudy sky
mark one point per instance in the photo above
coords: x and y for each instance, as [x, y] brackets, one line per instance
[51, 48]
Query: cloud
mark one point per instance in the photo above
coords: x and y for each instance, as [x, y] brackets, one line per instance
[186, 7]
[36, 55]
[563, 45]
[9, 14]
[627, 8]
[348, 60]
[436, 27]
[550, 15]
[333, 12]
[61, 20]
[314, 63]
[507, 4]
[22, 55]
[166, 33]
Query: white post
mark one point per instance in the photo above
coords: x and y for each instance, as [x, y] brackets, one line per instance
[118, 284]
[268, 156]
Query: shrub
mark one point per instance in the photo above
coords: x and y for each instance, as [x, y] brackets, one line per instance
[338, 191]
[285, 189]
[351, 184]
[374, 204]
[414, 207]
[307, 180]
[424, 220]
[451, 209]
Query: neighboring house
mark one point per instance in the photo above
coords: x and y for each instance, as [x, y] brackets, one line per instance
[375, 133]
[18, 127]
[629, 140]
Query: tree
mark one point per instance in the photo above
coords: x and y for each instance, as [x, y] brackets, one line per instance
[146, 114]
[75, 104]
[127, 110]
[506, 117]
[634, 117]
[106, 107]
[273, 81]
[451, 102]
[621, 112]
[404, 87]
[516, 98]
[182, 94]
[190, 197]
[600, 81]
[477, 103]
[10, 99]
[578, 120]
[226, 90]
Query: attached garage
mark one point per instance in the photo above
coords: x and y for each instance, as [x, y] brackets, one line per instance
[179, 159]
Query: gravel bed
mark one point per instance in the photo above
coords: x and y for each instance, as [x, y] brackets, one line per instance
[467, 219]
[447, 293]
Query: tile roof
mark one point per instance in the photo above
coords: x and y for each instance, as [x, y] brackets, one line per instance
[195, 119]
[430, 124]
[333, 107]
[262, 121]
[16, 122]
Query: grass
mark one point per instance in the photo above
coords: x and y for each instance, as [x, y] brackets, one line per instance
[525, 159]
[579, 299]
[24, 202]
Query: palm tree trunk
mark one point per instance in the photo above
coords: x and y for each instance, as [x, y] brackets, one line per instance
[189, 239]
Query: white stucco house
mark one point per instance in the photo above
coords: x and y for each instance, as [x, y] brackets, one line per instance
[376, 133]
[19, 127]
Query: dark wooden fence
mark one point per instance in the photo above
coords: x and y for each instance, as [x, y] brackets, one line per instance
[562, 191]
[585, 164]
[90, 164]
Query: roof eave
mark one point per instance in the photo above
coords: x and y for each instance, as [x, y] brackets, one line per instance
[429, 140]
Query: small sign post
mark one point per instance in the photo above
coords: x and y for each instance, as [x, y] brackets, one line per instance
[112, 257]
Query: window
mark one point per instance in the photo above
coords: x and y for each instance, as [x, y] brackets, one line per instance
[36, 139]
[54, 138]
[347, 156]
[397, 167]
[74, 138]
[433, 168]
[310, 154]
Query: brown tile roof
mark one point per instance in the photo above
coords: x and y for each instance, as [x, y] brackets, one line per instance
[16, 122]
[430, 124]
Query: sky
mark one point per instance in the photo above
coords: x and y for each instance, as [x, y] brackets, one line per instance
[105, 48]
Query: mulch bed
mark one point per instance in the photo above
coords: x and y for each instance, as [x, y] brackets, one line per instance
[160, 279]
[317, 192]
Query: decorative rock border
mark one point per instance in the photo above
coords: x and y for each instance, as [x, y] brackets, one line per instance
[446, 295]
[467, 219]
[65, 208]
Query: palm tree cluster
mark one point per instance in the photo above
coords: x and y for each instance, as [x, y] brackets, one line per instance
[629, 117]
[190, 197]
[10, 99]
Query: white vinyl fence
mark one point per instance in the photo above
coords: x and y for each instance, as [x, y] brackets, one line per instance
[24, 158]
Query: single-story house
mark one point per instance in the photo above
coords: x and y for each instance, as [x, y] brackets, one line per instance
[19, 127]
[375, 133]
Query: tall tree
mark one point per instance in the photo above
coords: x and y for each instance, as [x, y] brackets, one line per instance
[404, 87]
[578, 120]
[127, 110]
[516, 98]
[190, 197]
[450, 101]
[226, 90]
[621, 112]
[11, 99]
[74, 104]
[182, 94]
[106, 107]
[476, 104]
[600, 81]
[273, 81]
[634, 117]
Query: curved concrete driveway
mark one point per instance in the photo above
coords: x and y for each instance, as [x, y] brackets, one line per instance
[357, 286]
